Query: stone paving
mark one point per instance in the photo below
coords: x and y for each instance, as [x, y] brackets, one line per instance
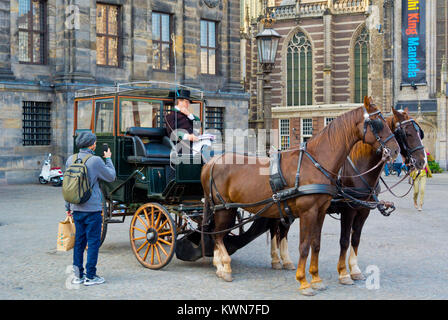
[409, 248]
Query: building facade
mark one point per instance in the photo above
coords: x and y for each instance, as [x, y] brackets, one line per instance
[334, 52]
[49, 49]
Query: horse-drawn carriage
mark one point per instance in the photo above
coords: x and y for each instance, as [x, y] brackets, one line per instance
[177, 206]
[162, 194]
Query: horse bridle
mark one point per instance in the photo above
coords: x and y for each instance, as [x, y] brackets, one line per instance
[375, 127]
[400, 133]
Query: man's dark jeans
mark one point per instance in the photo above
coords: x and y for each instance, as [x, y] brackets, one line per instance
[88, 231]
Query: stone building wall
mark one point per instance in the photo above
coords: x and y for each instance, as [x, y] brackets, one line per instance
[71, 65]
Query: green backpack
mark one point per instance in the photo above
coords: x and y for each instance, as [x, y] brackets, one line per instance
[75, 186]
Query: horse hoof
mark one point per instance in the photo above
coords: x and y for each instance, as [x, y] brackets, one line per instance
[226, 276]
[307, 292]
[276, 266]
[357, 276]
[318, 286]
[346, 280]
[289, 266]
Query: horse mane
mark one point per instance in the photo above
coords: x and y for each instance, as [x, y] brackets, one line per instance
[340, 130]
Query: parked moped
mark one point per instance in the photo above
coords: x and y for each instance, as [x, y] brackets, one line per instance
[49, 174]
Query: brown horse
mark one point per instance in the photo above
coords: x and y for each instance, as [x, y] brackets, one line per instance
[244, 184]
[363, 157]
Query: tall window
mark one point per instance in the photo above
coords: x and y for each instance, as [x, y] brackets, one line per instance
[299, 71]
[161, 43]
[107, 35]
[208, 47]
[361, 61]
[32, 30]
[36, 123]
[284, 134]
[307, 129]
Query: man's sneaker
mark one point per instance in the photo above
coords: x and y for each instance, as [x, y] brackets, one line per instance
[95, 280]
[77, 280]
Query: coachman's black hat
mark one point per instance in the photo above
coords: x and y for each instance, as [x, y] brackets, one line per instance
[182, 94]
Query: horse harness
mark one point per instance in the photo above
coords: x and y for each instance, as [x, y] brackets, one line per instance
[278, 183]
[355, 195]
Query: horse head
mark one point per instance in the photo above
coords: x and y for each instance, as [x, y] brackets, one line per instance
[375, 131]
[409, 136]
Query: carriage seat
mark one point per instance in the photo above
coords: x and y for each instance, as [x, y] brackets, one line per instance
[156, 151]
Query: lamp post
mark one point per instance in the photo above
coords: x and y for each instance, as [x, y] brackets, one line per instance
[267, 42]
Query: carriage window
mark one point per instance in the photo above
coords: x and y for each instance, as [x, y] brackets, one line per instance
[139, 113]
[84, 114]
[104, 116]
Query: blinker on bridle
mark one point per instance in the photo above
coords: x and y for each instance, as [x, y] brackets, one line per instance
[376, 126]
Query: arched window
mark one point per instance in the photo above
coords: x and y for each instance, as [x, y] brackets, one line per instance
[299, 68]
[361, 65]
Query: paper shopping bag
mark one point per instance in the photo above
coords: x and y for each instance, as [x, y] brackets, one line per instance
[66, 235]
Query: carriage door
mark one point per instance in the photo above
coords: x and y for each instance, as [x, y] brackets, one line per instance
[104, 126]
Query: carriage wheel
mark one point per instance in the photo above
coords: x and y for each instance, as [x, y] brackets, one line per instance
[153, 236]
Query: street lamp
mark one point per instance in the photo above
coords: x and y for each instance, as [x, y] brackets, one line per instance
[267, 42]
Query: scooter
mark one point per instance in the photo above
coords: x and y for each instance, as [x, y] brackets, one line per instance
[49, 174]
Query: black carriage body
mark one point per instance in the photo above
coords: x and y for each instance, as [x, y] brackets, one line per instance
[130, 120]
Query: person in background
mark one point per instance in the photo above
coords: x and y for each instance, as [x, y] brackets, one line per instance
[87, 216]
[419, 177]
[398, 163]
[386, 169]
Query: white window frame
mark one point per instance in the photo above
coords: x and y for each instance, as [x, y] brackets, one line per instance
[284, 133]
[304, 135]
[328, 118]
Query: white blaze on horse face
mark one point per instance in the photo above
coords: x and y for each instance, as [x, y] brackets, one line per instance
[366, 116]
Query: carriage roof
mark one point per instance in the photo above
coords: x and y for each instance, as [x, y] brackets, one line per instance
[143, 89]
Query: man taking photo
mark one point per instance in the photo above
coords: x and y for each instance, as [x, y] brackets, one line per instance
[87, 216]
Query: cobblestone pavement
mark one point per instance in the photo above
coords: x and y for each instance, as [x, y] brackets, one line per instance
[409, 248]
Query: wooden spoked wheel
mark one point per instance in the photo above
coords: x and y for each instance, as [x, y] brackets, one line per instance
[153, 236]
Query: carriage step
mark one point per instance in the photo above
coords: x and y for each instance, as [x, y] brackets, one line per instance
[114, 220]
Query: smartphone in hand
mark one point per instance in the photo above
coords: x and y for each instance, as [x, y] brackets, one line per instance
[106, 150]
